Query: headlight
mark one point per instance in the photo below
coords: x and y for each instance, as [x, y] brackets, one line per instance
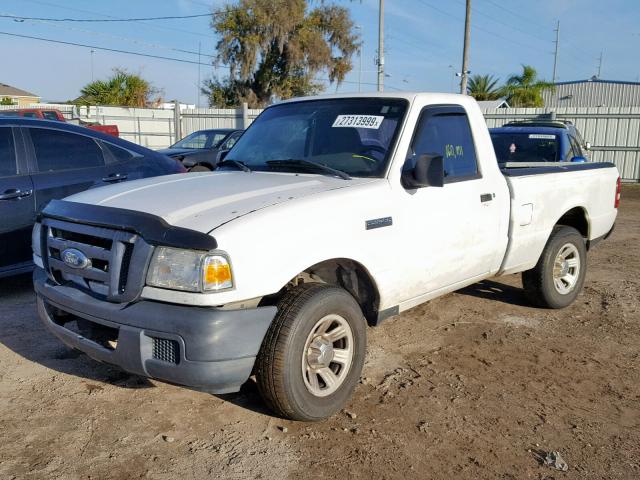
[189, 270]
[35, 240]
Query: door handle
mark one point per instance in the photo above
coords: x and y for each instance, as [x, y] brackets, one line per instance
[115, 177]
[487, 197]
[14, 193]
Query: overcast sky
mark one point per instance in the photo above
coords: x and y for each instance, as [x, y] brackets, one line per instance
[423, 46]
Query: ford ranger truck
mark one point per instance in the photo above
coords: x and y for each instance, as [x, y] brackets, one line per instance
[330, 214]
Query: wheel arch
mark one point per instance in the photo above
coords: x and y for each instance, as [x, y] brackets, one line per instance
[578, 218]
[346, 273]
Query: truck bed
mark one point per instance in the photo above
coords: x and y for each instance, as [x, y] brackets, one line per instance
[577, 191]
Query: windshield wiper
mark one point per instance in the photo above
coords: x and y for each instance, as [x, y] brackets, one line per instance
[234, 163]
[293, 162]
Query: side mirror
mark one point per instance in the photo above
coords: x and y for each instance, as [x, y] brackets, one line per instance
[427, 172]
[587, 146]
[578, 160]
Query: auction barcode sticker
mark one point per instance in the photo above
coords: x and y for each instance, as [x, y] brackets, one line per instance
[358, 121]
[542, 136]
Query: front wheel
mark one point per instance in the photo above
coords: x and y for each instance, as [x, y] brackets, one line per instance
[559, 275]
[312, 356]
[201, 168]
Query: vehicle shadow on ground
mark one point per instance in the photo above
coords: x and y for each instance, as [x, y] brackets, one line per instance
[248, 398]
[22, 332]
[500, 292]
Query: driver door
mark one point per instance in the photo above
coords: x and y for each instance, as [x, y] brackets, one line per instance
[454, 229]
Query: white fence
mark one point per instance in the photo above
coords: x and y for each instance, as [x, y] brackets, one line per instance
[614, 132]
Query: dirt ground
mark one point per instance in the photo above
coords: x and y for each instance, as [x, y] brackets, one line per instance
[476, 384]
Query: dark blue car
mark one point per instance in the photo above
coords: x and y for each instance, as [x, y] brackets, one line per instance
[41, 160]
[538, 141]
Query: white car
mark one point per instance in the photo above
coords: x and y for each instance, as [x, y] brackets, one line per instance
[330, 214]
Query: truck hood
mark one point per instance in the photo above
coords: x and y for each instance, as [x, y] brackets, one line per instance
[204, 201]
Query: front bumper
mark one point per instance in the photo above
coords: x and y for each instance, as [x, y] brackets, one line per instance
[211, 349]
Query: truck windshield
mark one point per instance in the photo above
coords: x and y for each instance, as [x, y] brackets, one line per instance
[525, 147]
[354, 136]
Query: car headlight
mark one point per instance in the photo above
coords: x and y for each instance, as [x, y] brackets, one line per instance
[189, 270]
[35, 240]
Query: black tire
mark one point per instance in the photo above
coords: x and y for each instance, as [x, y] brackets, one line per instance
[201, 168]
[538, 283]
[279, 364]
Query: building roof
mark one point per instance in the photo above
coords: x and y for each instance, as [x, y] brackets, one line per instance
[598, 80]
[499, 103]
[593, 93]
[9, 91]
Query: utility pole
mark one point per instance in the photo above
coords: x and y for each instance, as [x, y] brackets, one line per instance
[92, 52]
[555, 55]
[381, 47]
[599, 65]
[359, 27]
[465, 49]
[198, 85]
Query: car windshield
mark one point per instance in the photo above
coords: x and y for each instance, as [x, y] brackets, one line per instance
[354, 136]
[201, 140]
[525, 147]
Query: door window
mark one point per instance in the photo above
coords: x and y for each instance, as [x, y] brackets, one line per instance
[446, 132]
[120, 154]
[231, 141]
[50, 115]
[58, 150]
[7, 153]
[575, 147]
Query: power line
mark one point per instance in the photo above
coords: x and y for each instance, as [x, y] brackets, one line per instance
[481, 29]
[114, 36]
[529, 20]
[159, 57]
[102, 20]
[148, 25]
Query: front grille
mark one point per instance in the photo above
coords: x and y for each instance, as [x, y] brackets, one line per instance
[165, 350]
[101, 261]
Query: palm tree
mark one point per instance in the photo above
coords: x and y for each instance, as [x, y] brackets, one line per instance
[525, 90]
[483, 87]
[122, 89]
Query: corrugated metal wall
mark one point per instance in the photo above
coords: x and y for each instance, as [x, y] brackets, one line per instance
[201, 118]
[614, 133]
[595, 93]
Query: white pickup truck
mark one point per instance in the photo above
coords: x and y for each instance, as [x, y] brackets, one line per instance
[330, 214]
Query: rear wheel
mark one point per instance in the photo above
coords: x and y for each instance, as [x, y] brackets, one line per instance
[312, 356]
[201, 168]
[557, 279]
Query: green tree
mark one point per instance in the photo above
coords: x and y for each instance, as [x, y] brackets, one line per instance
[483, 87]
[121, 89]
[525, 90]
[277, 48]
[6, 101]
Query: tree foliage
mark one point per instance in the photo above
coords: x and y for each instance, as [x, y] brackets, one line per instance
[525, 90]
[6, 101]
[277, 48]
[121, 89]
[484, 87]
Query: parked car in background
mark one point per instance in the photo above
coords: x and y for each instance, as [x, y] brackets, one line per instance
[200, 150]
[41, 160]
[56, 115]
[538, 141]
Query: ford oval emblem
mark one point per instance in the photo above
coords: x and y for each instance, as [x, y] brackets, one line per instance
[74, 258]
